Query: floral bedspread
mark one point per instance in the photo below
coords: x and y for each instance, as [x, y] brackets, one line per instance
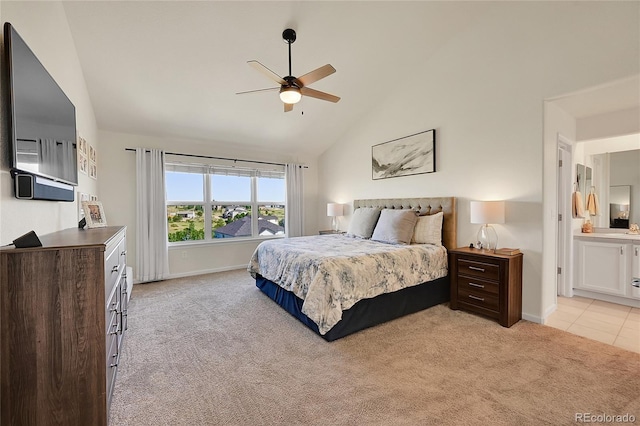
[330, 273]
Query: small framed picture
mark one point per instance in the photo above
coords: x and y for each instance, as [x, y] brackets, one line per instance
[94, 214]
[82, 196]
[83, 164]
[82, 146]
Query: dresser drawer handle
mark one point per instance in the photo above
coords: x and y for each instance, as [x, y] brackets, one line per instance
[114, 365]
[476, 298]
[124, 253]
[475, 268]
[115, 268]
[476, 285]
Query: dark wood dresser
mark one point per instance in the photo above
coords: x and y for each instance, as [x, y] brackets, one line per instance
[487, 283]
[63, 310]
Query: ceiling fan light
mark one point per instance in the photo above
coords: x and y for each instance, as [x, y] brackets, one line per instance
[290, 95]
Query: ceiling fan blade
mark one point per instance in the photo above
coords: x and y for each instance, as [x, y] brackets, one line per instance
[258, 90]
[266, 71]
[306, 91]
[288, 107]
[316, 75]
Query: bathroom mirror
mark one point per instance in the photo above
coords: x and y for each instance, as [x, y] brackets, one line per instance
[616, 174]
[583, 178]
[619, 206]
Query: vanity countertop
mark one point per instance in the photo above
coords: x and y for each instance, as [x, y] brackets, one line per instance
[608, 236]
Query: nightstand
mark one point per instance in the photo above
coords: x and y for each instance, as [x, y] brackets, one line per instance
[486, 283]
[330, 231]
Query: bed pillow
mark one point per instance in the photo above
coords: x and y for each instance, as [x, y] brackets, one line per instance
[363, 221]
[428, 230]
[395, 226]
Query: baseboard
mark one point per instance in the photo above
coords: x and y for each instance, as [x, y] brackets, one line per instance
[634, 303]
[532, 318]
[551, 309]
[207, 271]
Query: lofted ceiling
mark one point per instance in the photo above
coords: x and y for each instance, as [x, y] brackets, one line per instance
[613, 96]
[172, 68]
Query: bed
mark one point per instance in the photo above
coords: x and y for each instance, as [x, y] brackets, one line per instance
[339, 284]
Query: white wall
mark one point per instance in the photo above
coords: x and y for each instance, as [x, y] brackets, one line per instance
[614, 123]
[117, 186]
[43, 26]
[484, 93]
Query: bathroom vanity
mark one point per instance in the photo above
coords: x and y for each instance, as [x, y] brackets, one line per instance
[608, 267]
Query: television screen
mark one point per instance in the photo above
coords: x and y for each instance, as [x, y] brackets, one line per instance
[43, 119]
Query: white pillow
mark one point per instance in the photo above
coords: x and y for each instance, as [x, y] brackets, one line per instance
[363, 221]
[428, 230]
[395, 226]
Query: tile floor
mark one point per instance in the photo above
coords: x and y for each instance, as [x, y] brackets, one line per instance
[606, 322]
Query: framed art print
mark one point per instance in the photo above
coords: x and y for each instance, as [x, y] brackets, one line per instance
[411, 155]
[94, 214]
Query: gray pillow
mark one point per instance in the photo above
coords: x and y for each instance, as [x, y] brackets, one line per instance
[395, 226]
[363, 221]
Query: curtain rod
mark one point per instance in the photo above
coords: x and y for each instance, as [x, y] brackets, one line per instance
[221, 158]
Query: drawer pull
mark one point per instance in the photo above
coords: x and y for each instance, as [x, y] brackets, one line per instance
[481, 299]
[475, 268]
[115, 268]
[114, 365]
[476, 285]
[124, 253]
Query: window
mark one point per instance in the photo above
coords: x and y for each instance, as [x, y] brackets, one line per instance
[212, 202]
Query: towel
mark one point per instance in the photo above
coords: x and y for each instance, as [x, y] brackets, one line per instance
[577, 207]
[593, 206]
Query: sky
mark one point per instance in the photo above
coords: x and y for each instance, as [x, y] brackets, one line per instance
[189, 187]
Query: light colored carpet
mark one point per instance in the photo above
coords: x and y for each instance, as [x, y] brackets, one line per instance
[213, 350]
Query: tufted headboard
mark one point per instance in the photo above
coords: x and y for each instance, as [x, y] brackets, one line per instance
[427, 206]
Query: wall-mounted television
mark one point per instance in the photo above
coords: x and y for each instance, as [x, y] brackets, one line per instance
[42, 126]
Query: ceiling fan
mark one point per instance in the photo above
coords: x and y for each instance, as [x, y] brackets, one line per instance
[291, 88]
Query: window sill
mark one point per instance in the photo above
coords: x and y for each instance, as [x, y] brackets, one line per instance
[223, 241]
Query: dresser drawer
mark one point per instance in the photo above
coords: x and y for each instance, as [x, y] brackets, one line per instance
[478, 285]
[122, 255]
[484, 300]
[112, 307]
[111, 269]
[485, 270]
[112, 363]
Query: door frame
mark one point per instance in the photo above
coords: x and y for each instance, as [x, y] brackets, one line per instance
[564, 240]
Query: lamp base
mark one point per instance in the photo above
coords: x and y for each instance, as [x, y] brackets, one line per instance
[487, 238]
[334, 223]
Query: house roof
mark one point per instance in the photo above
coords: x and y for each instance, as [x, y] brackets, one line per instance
[242, 227]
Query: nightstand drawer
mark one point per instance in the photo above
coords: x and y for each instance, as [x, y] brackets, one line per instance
[476, 285]
[487, 271]
[485, 300]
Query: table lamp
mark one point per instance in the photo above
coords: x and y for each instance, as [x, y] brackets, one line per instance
[334, 210]
[486, 213]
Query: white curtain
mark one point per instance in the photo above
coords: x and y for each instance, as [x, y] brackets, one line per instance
[152, 253]
[48, 161]
[294, 179]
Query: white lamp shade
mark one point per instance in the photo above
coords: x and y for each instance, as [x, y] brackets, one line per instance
[486, 212]
[290, 95]
[335, 209]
